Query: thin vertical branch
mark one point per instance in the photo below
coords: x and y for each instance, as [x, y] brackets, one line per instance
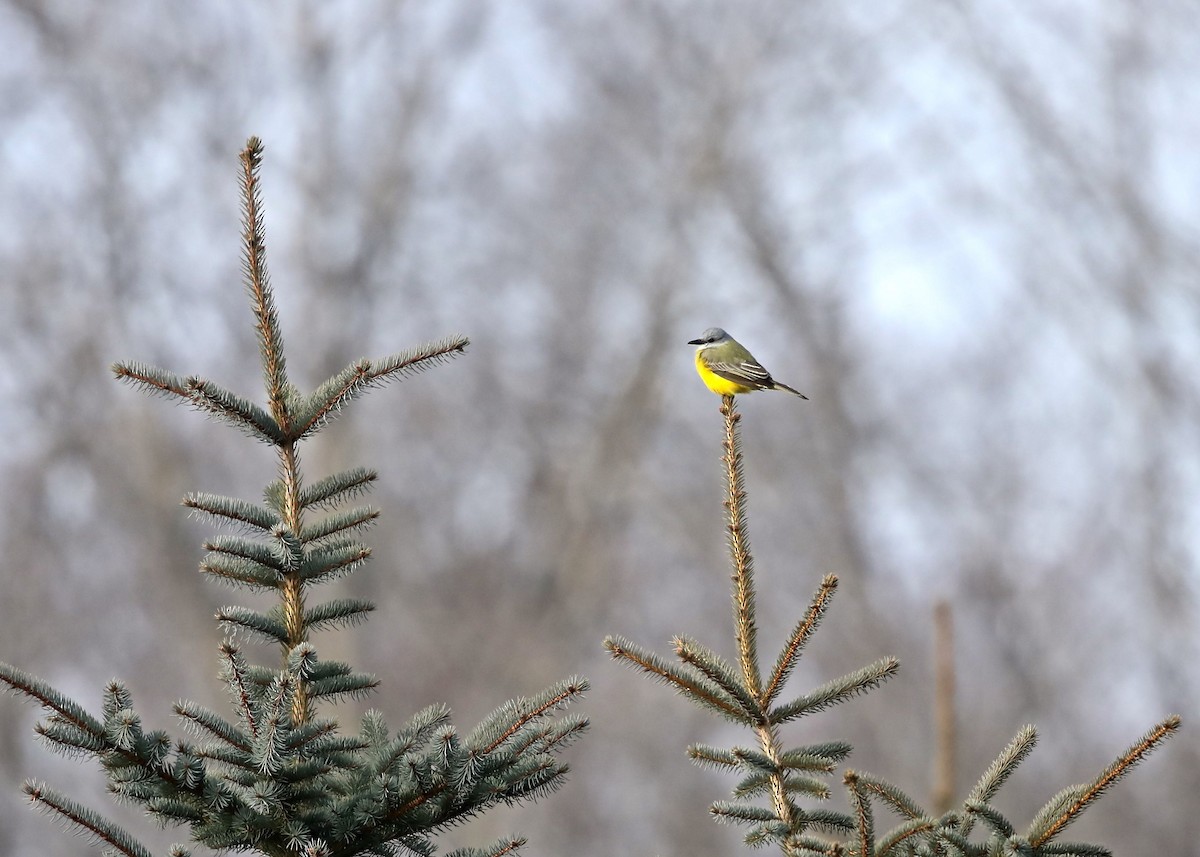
[237, 678]
[768, 740]
[946, 731]
[254, 268]
[292, 590]
[270, 346]
[739, 550]
[743, 605]
[864, 821]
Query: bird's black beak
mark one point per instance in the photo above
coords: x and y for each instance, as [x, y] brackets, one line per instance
[695, 342]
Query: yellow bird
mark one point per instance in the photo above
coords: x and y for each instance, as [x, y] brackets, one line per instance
[728, 369]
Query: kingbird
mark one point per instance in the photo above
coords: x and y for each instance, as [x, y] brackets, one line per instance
[728, 369]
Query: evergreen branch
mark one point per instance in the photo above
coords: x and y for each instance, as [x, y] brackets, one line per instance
[156, 746]
[337, 487]
[173, 810]
[233, 509]
[417, 845]
[291, 547]
[706, 756]
[785, 810]
[539, 739]
[995, 819]
[460, 765]
[235, 673]
[521, 711]
[500, 848]
[189, 769]
[352, 520]
[864, 823]
[203, 720]
[740, 813]
[829, 820]
[330, 561]
[957, 840]
[811, 786]
[270, 744]
[811, 846]
[803, 760]
[837, 691]
[753, 785]
[692, 686]
[84, 820]
[834, 751]
[254, 269]
[1048, 825]
[260, 799]
[21, 682]
[415, 733]
[328, 399]
[1000, 770]
[753, 760]
[374, 729]
[352, 685]
[227, 756]
[303, 663]
[800, 635]
[263, 624]
[340, 611]
[236, 410]
[70, 728]
[714, 667]
[1074, 849]
[130, 783]
[204, 396]
[124, 730]
[760, 783]
[152, 379]
[241, 572]
[424, 795]
[766, 833]
[894, 797]
[320, 736]
[912, 828]
[561, 735]
[253, 550]
[257, 676]
[117, 697]
[292, 588]
[542, 776]
[411, 361]
[307, 779]
[745, 628]
[69, 739]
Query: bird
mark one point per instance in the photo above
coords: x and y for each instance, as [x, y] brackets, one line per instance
[728, 369]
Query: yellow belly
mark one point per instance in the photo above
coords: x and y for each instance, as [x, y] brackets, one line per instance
[720, 386]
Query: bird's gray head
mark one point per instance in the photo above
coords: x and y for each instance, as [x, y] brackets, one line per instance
[713, 334]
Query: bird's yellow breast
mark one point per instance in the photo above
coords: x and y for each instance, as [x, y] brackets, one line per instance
[720, 386]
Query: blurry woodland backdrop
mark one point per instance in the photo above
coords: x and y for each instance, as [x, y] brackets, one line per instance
[968, 230]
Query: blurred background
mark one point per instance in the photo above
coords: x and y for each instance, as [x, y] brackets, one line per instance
[967, 230]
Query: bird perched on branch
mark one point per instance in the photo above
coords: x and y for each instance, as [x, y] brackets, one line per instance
[728, 369]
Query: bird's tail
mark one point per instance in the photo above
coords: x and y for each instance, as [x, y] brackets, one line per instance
[791, 390]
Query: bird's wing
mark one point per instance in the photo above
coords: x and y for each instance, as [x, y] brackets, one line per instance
[749, 373]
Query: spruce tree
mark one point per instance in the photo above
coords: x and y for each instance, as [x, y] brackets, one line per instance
[778, 784]
[277, 775]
